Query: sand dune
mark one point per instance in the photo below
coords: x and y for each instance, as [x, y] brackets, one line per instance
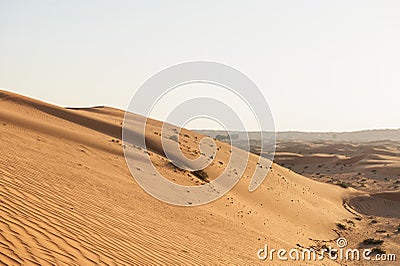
[67, 197]
[368, 166]
[380, 204]
[366, 160]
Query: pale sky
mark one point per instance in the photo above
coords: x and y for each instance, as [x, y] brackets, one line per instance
[321, 65]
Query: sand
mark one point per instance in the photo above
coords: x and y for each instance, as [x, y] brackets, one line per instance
[370, 166]
[67, 197]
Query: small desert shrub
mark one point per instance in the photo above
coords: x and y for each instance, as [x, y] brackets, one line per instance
[173, 138]
[329, 249]
[201, 174]
[343, 185]
[371, 241]
[341, 226]
[378, 250]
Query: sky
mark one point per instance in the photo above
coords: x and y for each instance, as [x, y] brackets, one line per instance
[321, 65]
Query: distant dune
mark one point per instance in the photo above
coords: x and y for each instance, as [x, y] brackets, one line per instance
[67, 197]
[367, 160]
[368, 166]
[355, 136]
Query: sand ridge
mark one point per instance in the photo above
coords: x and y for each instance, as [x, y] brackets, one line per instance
[67, 197]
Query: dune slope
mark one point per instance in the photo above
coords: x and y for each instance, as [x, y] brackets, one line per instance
[67, 197]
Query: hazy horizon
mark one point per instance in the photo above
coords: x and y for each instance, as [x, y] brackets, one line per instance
[214, 128]
[322, 66]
